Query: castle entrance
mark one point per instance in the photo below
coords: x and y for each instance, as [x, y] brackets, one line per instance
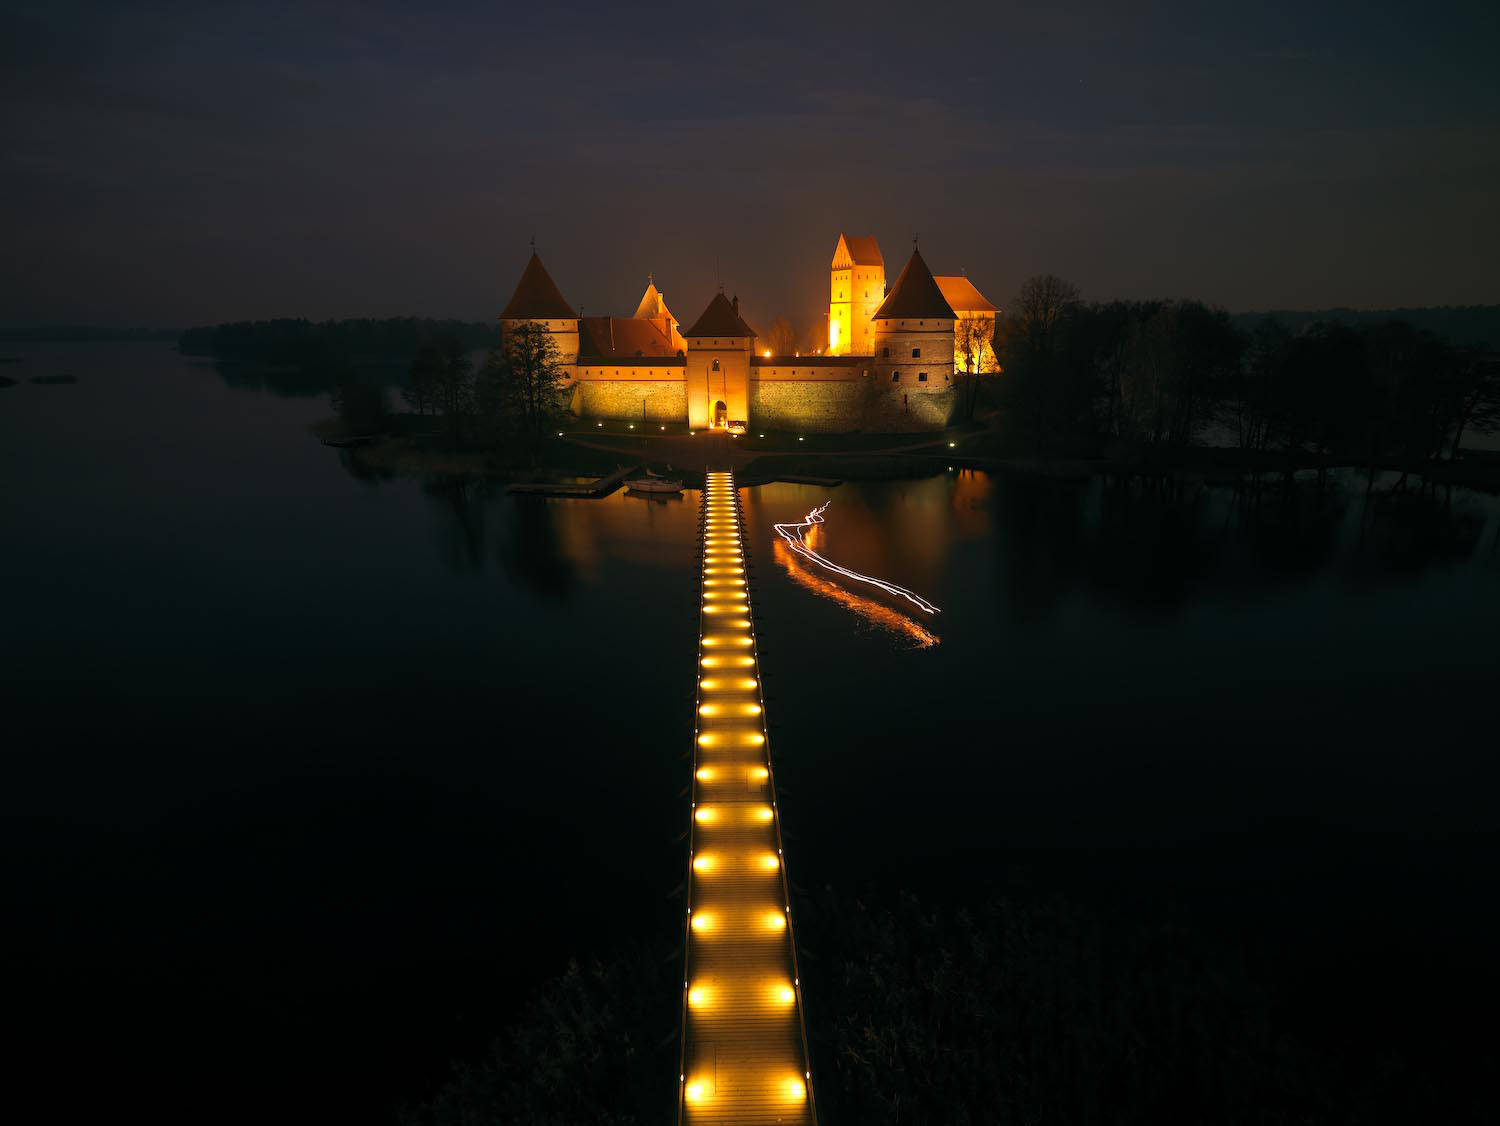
[721, 414]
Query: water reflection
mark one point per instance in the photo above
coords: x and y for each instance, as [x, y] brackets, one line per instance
[535, 551]
[461, 502]
[881, 616]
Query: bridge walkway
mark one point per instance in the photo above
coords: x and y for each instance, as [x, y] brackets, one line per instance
[744, 1041]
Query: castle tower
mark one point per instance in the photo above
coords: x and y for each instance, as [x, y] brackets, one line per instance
[717, 371]
[653, 308]
[855, 292]
[914, 333]
[537, 300]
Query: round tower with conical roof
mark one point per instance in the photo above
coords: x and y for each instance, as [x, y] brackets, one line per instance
[914, 334]
[538, 301]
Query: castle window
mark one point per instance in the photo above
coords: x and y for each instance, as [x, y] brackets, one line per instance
[716, 365]
[885, 353]
[945, 377]
[921, 377]
[916, 353]
[895, 377]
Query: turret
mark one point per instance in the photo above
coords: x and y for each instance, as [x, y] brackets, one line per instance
[537, 300]
[653, 308]
[914, 332]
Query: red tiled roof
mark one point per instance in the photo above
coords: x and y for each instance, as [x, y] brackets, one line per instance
[915, 294]
[619, 338]
[960, 293]
[537, 295]
[864, 250]
[720, 319]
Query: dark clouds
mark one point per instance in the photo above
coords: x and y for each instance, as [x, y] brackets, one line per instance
[182, 163]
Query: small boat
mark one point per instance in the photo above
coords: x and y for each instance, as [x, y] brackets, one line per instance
[653, 483]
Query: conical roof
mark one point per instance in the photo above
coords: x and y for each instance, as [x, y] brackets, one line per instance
[915, 294]
[653, 305]
[720, 319]
[537, 296]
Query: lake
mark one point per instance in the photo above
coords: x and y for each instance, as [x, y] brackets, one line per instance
[313, 774]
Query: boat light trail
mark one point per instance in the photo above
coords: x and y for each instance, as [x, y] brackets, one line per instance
[792, 533]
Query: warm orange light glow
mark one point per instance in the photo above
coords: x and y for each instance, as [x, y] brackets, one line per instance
[875, 612]
[706, 815]
[703, 923]
[726, 641]
[769, 862]
[794, 1088]
[774, 920]
[764, 812]
[698, 996]
[783, 994]
[728, 683]
[729, 709]
[731, 739]
[693, 1092]
[707, 774]
[704, 862]
[727, 662]
[759, 774]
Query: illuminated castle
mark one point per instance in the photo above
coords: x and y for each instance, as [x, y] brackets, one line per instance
[889, 364]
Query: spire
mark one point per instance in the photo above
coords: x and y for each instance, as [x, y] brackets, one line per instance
[915, 293]
[653, 305]
[537, 296]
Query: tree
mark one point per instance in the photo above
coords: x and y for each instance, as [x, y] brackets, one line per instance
[530, 379]
[974, 343]
[1050, 379]
[781, 337]
[1479, 400]
[360, 407]
[441, 379]
[1042, 308]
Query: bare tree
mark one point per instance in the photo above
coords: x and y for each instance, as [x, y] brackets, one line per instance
[1039, 310]
[781, 337]
[531, 378]
[974, 341]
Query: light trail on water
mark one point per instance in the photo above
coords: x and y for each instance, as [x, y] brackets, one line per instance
[792, 535]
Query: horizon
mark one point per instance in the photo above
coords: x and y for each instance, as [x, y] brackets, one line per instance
[179, 328]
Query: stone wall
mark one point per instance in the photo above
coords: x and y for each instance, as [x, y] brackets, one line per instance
[816, 406]
[844, 406]
[665, 399]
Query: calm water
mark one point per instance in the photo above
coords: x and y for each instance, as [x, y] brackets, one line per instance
[310, 776]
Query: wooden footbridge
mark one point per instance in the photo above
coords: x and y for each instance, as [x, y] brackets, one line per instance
[744, 1038]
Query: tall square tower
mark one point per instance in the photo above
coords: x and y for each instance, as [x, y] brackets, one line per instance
[856, 290]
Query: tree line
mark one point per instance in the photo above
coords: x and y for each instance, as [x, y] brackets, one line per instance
[513, 397]
[298, 342]
[1082, 377]
[1003, 1012]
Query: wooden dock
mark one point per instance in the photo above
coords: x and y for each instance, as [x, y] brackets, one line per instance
[744, 1042]
[600, 488]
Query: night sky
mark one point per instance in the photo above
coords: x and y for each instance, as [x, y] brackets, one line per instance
[170, 164]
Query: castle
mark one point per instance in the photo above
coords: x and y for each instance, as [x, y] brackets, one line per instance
[889, 364]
